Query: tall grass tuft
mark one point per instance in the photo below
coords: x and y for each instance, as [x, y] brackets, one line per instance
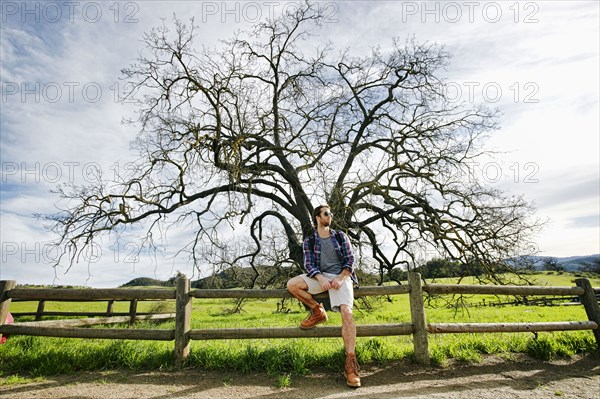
[548, 347]
[272, 356]
[41, 356]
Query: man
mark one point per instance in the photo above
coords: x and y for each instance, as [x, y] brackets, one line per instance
[328, 261]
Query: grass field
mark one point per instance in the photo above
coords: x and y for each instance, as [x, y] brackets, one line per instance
[40, 356]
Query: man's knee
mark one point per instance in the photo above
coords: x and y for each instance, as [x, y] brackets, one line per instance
[291, 285]
[295, 284]
[346, 312]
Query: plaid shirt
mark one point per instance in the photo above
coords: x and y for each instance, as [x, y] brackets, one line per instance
[312, 260]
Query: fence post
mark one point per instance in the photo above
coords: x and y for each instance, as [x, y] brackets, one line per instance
[132, 310]
[417, 311]
[588, 299]
[183, 316]
[5, 285]
[109, 308]
[40, 310]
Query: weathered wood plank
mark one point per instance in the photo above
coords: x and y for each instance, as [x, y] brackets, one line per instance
[590, 303]
[368, 330]
[132, 310]
[99, 333]
[417, 311]
[76, 314]
[87, 300]
[40, 310]
[106, 294]
[110, 308]
[5, 287]
[500, 289]
[183, 321]
[283, 293]
[95, 321]
[445, 328]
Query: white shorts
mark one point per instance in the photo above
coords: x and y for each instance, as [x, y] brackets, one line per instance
[341, 296]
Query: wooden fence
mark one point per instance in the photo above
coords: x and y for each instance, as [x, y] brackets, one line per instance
[183, 295]
[41, 311]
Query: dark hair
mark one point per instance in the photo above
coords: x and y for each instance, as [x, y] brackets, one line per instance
[317, 212]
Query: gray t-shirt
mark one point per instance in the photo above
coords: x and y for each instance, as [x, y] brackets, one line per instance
[330, 261]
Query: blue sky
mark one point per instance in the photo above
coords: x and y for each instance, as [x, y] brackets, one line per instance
[537, 62]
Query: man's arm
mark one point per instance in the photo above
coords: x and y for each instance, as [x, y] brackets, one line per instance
[347, 253]
[309, 260]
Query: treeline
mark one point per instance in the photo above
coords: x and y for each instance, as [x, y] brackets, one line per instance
[438, 268]
[233, 277]
[247, 277]
[242, 277]
[441, 268]
[276, 277]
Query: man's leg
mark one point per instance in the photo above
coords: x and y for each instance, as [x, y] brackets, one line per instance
[348, 328]
[298, 287]
[351, 369]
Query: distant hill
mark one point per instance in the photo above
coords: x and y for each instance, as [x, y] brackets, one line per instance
[145, 282]
[570, 263]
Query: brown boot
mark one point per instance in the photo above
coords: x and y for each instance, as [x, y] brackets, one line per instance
[317, 315]
[351, 371]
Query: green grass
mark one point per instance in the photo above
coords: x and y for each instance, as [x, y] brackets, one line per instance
[36, 357]
[284, 381]
[18, 379]
[42, 356]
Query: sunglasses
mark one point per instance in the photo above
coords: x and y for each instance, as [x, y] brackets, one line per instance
[327, 214]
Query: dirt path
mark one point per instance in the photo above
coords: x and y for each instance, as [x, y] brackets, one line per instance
[492, 379]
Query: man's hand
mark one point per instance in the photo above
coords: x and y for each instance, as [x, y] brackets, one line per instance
[338, 281]
[325, 284]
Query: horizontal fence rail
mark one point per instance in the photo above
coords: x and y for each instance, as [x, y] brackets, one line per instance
[105, 294]
[98, 333]
[95, 321]
[438, 328]
[282, 293]
[183, 295]
[500, 289]
[365, 330]
[88, 314]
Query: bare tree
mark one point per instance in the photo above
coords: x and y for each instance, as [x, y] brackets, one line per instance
[551, 264]
[250, 136]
